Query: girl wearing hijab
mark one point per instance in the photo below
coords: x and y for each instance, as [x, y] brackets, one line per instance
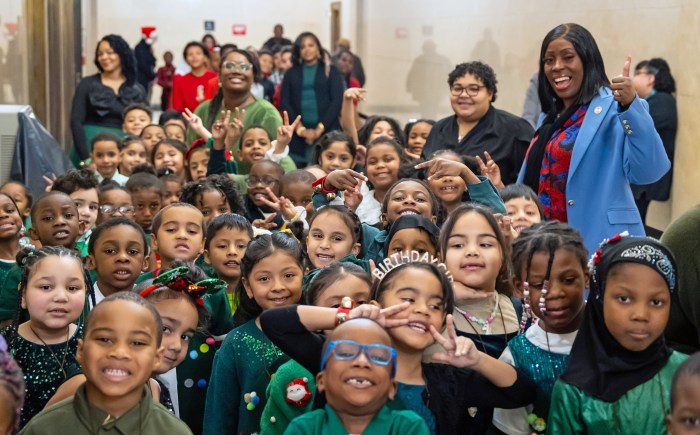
[620, 364]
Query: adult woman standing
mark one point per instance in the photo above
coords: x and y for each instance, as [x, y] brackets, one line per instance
[314, 90]
[654, 82]
[237, 73]
[596, 139]
[100, 99]
[476, 125]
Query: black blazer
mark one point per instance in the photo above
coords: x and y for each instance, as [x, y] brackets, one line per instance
[662, 108]
[329, 95]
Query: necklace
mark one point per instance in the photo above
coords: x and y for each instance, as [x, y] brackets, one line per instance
[65, 350]
[481, 340]
[484, 323]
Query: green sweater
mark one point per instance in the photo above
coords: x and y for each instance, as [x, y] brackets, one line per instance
[244, 364]
[574, 412]
[278, 413]
[11, 276]
[385, 422]
[260, 112]
[76, 416]
[682, 237]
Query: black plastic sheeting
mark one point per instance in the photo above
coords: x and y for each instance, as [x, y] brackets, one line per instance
[37, 153]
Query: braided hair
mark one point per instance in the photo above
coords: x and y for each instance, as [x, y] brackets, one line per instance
[546, 237]
[27, 259]
[192, 192]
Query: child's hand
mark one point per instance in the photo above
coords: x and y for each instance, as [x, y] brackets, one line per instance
[460, 351]
[196, 123]
[491, 170]
[218, 129]
[465, 292]
[266, 223]
[438, 168]
[285, 132]
[381, 315]
[506, 225]
[345, 179]
[280, 204]
[234, 128]
[49, 181]
[355, 94]
[352, 198]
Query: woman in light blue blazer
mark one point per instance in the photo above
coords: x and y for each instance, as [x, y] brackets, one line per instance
[596, 138]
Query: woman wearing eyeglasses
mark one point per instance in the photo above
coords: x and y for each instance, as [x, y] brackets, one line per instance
[236, 77]
[476, 125]
[313, 89]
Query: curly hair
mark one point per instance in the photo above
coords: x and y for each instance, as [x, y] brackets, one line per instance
[192, 192]
[478, 69]
[74, 180]
[125, 53]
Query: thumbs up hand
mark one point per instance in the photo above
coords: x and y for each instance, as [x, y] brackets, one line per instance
[623, 87]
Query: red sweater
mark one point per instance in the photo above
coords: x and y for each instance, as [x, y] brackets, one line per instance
[184, 94]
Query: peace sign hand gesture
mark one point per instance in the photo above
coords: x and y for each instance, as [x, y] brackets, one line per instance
[286, 131]
[196, 123]
[459, 351]
[280, 204]
[623, 86]
[491, 170]
[234, 128]
[266, 223]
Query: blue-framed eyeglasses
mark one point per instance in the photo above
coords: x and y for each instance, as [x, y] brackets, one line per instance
[348, 350]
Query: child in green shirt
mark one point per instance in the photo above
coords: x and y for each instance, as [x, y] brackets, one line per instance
[114, 398]
[357, 377]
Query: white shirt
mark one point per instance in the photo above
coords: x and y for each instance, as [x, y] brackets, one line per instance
[370, 210]
[514, 421]
[98, 295]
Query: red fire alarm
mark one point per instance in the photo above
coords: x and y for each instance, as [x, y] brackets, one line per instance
[240, 29]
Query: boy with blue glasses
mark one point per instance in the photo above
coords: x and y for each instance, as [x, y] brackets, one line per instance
[357, 377]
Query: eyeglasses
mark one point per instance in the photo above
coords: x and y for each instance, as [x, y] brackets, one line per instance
[472, 90]
[241, 66]
[349, 350]
[265, 181]
[110, 209]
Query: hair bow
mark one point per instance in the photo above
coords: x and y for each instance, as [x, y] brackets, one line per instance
[178, 279]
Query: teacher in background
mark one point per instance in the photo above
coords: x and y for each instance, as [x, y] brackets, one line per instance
[596, 139]
[654, 82]
[313, 89]
[100, 99]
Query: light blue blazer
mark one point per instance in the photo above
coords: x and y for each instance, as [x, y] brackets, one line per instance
[612, 150]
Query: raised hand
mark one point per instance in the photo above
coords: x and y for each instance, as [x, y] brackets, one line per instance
[459, 351]
[218, 129]
[491, 170]
[196, 123]
[355, 94]
[286, 131]
[361, 155]
[381, 315]
[438, 168]
[49, 181]
[234, 128]
[506, 225]
[352, 198]
[623, 86]
[345, 179]
[280, 204]
[266, 223]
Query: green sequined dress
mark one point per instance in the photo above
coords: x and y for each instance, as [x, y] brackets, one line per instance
[42, 373]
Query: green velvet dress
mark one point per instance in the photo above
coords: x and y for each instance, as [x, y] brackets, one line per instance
[640, 411]
[243, 366]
